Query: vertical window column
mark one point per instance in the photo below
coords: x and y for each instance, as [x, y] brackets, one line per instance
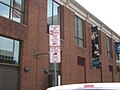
[53, 18]
[108, 46]
[53, 13]
[79, 33]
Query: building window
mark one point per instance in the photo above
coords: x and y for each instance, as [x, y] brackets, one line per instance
[9, 50]
[53, 13]
[53, 18]
[79, 34]
[80, 60]
[108, 46]
[12, 9]
[110, 68]
[117, 50]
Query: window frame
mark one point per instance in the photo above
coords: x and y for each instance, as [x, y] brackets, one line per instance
[52, 16]
[108, 41]
[79, 39]
[80, 61]
[16, 46]
[11, 8]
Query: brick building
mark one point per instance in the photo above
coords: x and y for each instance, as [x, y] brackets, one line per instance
[24, 26]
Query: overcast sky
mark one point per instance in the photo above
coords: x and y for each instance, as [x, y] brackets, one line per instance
[107, 11]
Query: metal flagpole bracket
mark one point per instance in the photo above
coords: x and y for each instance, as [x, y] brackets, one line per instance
[37, 53]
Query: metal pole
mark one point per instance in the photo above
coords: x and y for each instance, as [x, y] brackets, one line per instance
[55, 65]
[55, 74]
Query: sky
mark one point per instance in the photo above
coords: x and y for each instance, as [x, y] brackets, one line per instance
[107, 11]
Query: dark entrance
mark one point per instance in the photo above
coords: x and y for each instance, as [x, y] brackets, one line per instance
[9, 77]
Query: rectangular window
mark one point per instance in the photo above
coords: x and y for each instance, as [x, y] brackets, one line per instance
[4, 10]
[108, 46]
[53, 18]
[9, 50]
[79, 33]
[12, 9]
[80, 60]
[53, 13]
[110, 68]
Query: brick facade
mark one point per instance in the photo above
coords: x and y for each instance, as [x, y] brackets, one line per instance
[37, 41]
[34, 38]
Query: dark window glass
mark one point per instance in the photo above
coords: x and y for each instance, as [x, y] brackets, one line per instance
[79, 32]
[53, 13]
[118, 69]
[56, 14]
[9, 50]
[12, 9]
[110, 68]
[108, 47]
[51, 66]
[80, 60]
[49, 12]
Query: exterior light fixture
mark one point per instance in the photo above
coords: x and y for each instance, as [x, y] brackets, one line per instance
[26, 69]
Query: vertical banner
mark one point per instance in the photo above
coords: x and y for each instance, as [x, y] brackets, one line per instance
[117, 47]
[54, 43]
[95, 46]
[117, 50]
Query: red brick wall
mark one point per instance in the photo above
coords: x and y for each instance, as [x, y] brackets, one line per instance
[88, 52]
[12, 29]
[34, 38]
[37, 40]
[73, 73]
[66, 46]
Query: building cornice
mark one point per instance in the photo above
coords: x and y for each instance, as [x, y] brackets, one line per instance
[86, 15]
